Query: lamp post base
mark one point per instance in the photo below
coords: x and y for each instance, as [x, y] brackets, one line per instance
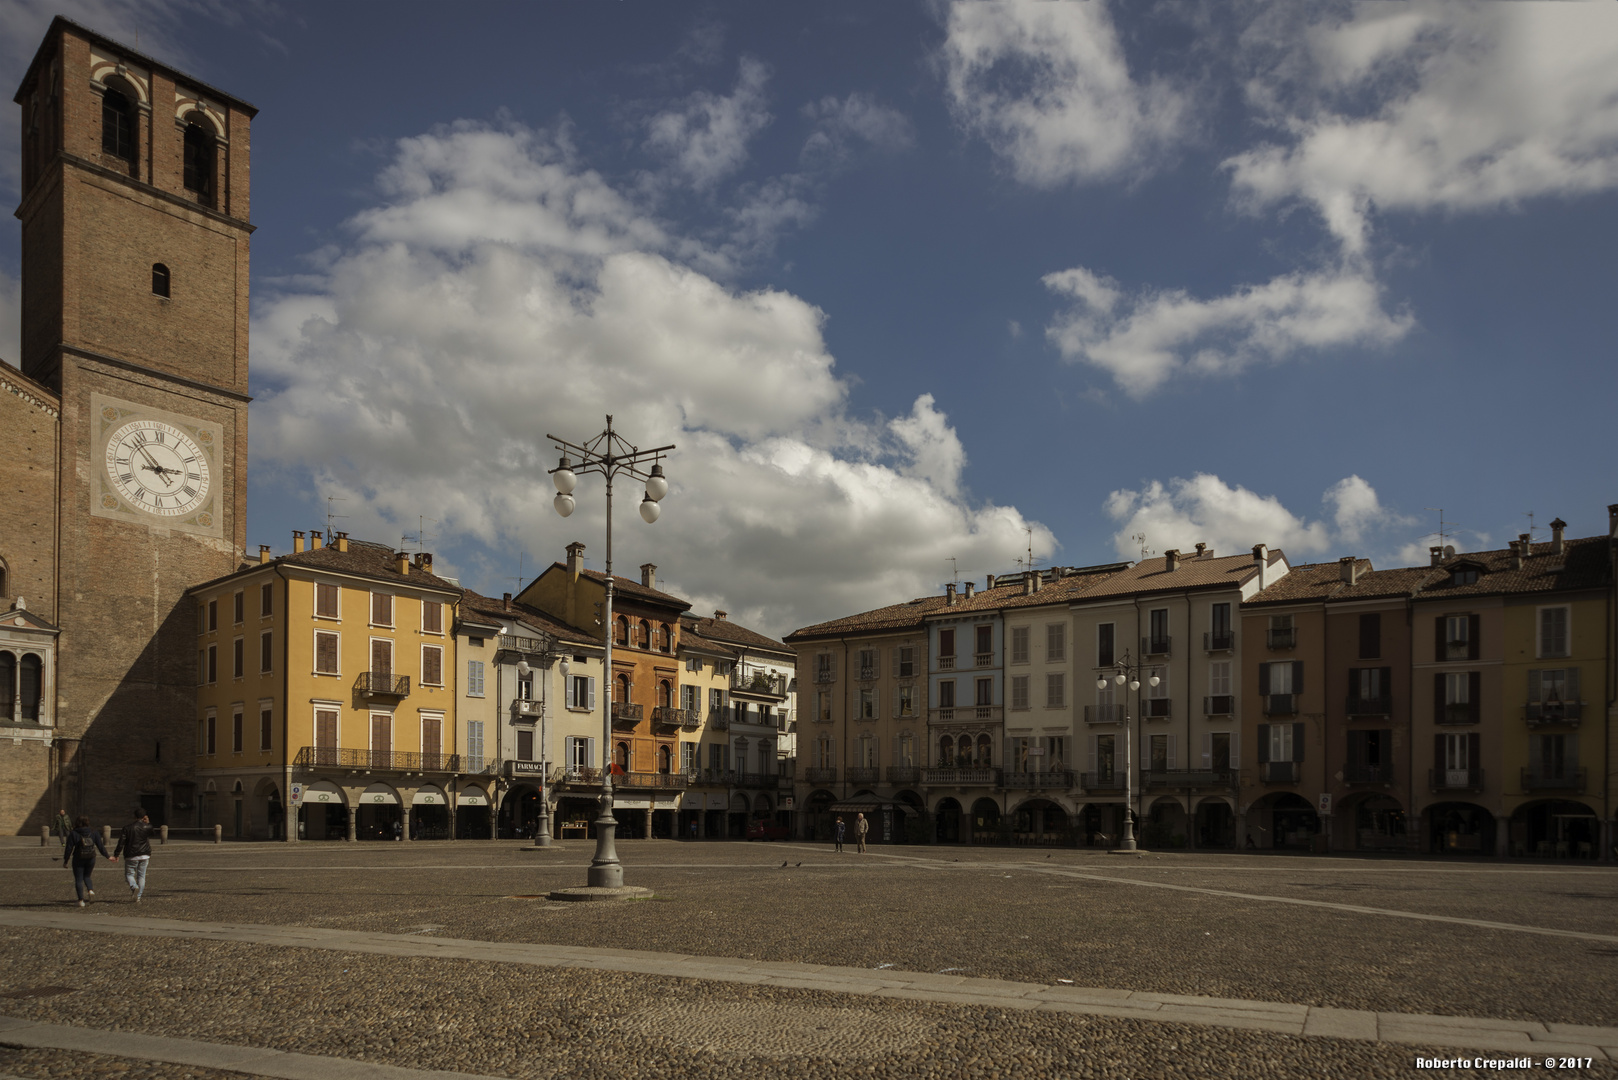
[606, 872]
[623, 892]
[542, 830]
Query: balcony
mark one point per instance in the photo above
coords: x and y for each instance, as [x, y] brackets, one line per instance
[1553, 712]
[864, 775]
[1219, 705]
[1157, 708]
[983, 659]
[667, 781]
[1104, 714]
[576, 777]
[820, 776]
[1459, 713]
[867, 674]
[331, 757]
[1546, 779]
[527, 709]
[825, 676]
[1376, 706]
[382, 684]
[957, 713]
[671, 719]
[1104, 781]
[904, 774]
[1368, 773]
[718, 719]
[946, 663]
[1155, 646]
[1455, 779]
[1286, 638]
[1219, 641]
[762, 683]
[626, 715]
[1189, 778]
[479, 766]
[1459, 650]
[1281, 705]
[752, 781]
[1046, 780]
[1278, 772]
[972, 777]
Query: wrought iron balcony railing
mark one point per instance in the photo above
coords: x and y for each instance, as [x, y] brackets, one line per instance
[1156, 708]
[1155, 646]
[967, 777]
[1104, 714]
[1219, 640]
[1373, 706]
[669, 717]
[1279, 772]
[904, 774]
[759, 682]
[821, 775]
[1041, 780]
[1189, 778]
[859, 774]
[1553, 712]
[1459, 713]
[382, 684]
[1286, 638]
[1368, 773]
[332, 757]
[1281, 705]
[1548, 779]
[1455, 779]
[1219, 705]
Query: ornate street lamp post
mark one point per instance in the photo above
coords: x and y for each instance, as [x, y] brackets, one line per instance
[542, 830]
[1129, 671]
[609, 455]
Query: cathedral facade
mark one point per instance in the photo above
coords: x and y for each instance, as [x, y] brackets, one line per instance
[123, 427]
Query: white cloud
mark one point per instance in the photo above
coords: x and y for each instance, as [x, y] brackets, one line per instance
[1231, 519]
[705, 138]
[846, 126]
[503, 291]
[1146, 339]
[1048, 87]
[1435, 107]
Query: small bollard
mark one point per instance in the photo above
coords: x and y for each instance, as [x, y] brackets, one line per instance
[44, 836]
[218, 833]
[162, 834]
[106, 835]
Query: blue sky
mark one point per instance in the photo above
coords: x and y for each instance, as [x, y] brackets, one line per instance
[905, 281]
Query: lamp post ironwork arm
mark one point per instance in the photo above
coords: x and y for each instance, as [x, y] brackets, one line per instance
[609, 455]
[1128, 669]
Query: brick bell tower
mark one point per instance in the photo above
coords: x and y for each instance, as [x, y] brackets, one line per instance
[134, 311]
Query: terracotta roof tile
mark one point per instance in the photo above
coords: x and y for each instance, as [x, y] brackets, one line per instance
[1584, 564]
[735, 634]
[627, 586]
[523, 615]
[362, 559]
[892, 617]
[1195, 572]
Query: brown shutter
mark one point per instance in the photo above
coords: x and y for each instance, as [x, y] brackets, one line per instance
[1264, 744]
[1264, 678]
[1474, 759]
[1571, 694]
[1356, 748]
[1534, 691]
[1438, 638]
[1438, 698]
[1297, 742]
[1438, 757]
[1297, 676]
[1474, 693]
[432, 737]
[1387, 685]
[1474, 624]
[382, 657]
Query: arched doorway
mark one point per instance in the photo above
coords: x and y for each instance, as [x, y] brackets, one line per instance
[1215, 824]
[947, 821]
[1556, 829]
[1457, 828]
[519, 812]
[429, 814]
[1165, 824]
[986, 823]
[323, 812]
[1379, 825]
[267, 813]
[472, 817]
[1283, 821]
[736, 825]
[1040, 822]
[910, 818]
[817, 817]
[378, 816]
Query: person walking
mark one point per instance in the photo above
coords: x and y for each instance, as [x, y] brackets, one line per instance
[838, 831]
[62, 826]
[861, 827]
[135, 845]
[80, 853]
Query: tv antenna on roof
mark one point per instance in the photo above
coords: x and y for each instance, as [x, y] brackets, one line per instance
[954, 571]
[1140, 538]
[1530, 516]
[420, 538]
[331, 517]
[518, 578]
[1446, 529]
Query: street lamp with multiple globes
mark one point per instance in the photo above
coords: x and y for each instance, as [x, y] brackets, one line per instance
[609, 455]
[1129, 671]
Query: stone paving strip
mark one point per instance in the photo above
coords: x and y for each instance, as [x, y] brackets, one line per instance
[1518, 1037]
[251, 1060]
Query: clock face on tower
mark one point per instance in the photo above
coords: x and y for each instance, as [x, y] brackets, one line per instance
[158, 468]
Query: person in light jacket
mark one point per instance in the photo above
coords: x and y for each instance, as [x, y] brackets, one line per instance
[861, 827]
[82, 845]
[135, 845]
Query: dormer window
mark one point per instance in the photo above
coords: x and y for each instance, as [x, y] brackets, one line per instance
[1463, 575]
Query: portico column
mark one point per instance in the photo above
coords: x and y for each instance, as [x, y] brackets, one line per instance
[289, 812]
[648, 820]
[1502, 837]
[404, 818]
[702, 820]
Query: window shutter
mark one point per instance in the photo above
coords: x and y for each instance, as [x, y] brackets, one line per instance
[1570, 744]
[590, 751]
[1264, 744]
[1474, 757]
[1174, 753]
[1438, 698]
[1438, 638]
[1356, 747]
[1297, 676]
[592, 704]
[1387, 683]
[1474, 624]
[1090, 759]
[1474, 705]
[1536, 755]
[1438, 756]
[1235, 750]
[1572, 693]
[1297, 742]
[1534, 691]
[1264, 679]
[1207, 750]
[832, 658]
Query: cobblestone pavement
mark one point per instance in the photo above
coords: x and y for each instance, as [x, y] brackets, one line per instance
[995, 913]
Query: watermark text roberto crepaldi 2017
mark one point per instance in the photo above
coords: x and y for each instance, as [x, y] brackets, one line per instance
[1504, 1063]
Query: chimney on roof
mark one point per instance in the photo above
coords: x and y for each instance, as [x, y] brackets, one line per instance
[988, 582]
[263, 554]
[1039, 580]
[297, 542]
[1058, 573]
[342, 542]
[424, 561]
[1202, 549]
[1437, 555]
[316, 540]
[1558, 545]
[575, 558]
[1028, 583]
[1612, 520]
[648, 575]
[966, 590]
[1261, 555]
[1171, 559]
[1520, 549]
[1348, 568]
[949, 595]
[719, 616]
[401, 561]
[505, 601]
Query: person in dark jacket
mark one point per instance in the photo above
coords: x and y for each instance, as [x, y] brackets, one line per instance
[82, 844]
[135, 845]
[62, 827]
